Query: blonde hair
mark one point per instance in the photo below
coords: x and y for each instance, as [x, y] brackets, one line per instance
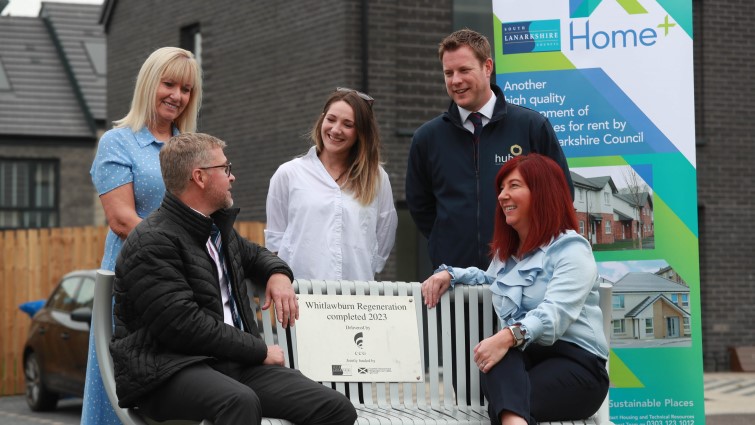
[363, 172]
[167, 62]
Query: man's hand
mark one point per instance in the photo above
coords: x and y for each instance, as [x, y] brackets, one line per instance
[434, 287]
[280, 291]
[274, 356]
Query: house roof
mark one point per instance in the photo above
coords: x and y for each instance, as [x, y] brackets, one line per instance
[644, 199]
[647, 302]
[646, 282]
[42, 96]
[622, 216]
[578, 180]
[593, 183]
[84, 47]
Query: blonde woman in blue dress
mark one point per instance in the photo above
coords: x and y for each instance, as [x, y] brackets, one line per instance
[126, 173]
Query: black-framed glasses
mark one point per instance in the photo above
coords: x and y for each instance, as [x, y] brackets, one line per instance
[366, 97]
[226, 166]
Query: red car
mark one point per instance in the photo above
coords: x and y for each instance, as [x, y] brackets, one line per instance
[55, 354]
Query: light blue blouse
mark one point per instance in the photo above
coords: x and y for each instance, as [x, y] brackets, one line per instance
[126, 157]
[552, 293]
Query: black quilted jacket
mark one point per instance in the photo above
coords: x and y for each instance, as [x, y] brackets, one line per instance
[168, 312]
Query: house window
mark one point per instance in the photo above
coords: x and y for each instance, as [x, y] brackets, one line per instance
[191, 40]
[582, 227]
[4, 82]
[685, 300]
[675, 298]
[97, 52]
[581, 194]
[686, 326]
[617, 301]
[28, 193]
[608, 227]
[618, 327]
[607, 198]
[649, 327]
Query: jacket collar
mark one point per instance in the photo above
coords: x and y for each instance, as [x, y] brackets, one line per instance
[197, 225]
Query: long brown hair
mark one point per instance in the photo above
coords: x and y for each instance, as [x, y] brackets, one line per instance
[363, 173]
[551, 209]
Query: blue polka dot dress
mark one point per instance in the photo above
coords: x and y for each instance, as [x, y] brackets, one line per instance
[122, 157]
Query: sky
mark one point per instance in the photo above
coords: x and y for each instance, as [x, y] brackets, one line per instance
[31, 7]
[615, 270]
[616, 173]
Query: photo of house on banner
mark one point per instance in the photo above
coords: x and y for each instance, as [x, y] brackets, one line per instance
[650, 304]
[614, 207]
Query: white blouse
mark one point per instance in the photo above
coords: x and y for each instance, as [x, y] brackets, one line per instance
[323, 232]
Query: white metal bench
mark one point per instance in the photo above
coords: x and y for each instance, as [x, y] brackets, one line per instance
[437, 400]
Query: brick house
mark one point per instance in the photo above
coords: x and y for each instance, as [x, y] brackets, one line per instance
[607, 215]
[52, 110]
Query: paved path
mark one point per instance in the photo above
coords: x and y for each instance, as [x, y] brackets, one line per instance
[14, 411]
[729, 400]
[729, 393]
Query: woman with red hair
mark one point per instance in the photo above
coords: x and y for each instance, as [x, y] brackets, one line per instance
[548, 362]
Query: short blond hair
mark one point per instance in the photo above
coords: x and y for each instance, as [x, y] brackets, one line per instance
[182, 154]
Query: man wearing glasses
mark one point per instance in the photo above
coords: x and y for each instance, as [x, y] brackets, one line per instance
[186, 344]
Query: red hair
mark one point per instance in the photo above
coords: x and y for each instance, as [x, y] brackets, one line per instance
[551, 209]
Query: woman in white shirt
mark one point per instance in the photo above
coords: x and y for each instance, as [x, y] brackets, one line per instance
[330, 213]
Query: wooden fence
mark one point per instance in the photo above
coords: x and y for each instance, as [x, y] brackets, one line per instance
[32, 261]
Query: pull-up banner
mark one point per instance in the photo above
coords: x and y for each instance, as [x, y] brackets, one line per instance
[615, 79]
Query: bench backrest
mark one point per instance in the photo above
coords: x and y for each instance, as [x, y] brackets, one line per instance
[102, 326]
[451, 327]
[435, 328]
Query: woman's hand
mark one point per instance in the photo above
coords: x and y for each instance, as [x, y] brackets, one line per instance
[435, 286]
[491, 350]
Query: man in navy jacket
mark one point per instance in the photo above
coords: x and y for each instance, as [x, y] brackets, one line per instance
[451, 173]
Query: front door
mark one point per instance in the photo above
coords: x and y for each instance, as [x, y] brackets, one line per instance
[672, 327]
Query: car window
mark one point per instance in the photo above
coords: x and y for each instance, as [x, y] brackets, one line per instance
[63, 299]
[85, 297]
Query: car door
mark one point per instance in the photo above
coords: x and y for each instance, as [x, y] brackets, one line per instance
[52, 324]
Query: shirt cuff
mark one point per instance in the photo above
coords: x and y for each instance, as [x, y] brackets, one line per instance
[528, 333]
[450, 271]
